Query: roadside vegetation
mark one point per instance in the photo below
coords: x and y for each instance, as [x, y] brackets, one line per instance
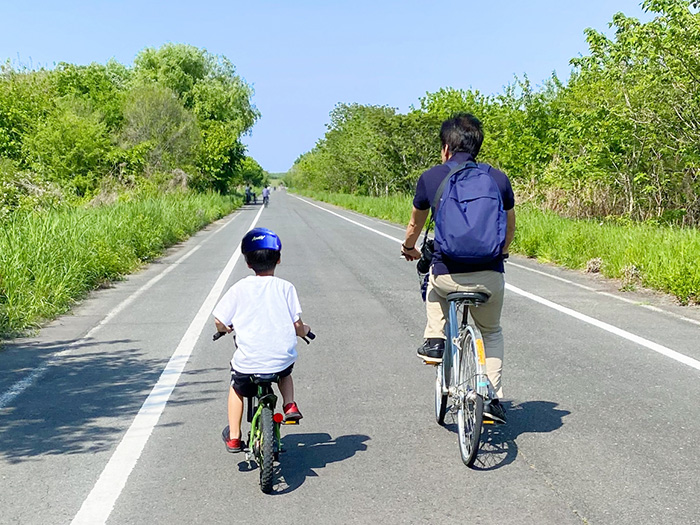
[102, 166]
[48, 259]
[615, 149]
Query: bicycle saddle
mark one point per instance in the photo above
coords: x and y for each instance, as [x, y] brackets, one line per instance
[470, 297]
[265, 378]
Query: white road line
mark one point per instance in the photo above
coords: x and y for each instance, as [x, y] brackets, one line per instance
[100, 502]
[20, 386]
[349, 220]
[607, 294]
[681, 358]
[694, 363]
[223, 226]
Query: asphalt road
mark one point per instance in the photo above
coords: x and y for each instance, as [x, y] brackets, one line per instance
[603, 419]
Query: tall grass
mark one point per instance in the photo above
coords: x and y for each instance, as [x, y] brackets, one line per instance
[50, 259]
[660, 257]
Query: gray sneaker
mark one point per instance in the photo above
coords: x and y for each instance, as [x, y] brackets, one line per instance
[494, 410]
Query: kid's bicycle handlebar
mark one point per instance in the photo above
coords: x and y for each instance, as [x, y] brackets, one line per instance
[310, 335]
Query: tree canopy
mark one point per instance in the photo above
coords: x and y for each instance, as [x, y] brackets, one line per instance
[74, 126]
[620, 137]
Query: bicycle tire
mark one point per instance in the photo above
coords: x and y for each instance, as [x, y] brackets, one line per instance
[470, 411]
[440, 397]
[267, 449]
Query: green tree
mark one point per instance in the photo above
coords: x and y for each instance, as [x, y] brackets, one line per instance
[100, 85]
[156, 121]
[70, 147]
[208, 86]
[251, 172]
[26, 98]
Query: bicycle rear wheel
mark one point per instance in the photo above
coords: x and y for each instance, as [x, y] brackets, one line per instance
[440, 396]
[267, 449]
[470, 410]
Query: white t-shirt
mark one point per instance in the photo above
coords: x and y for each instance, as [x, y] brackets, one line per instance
[262, 310]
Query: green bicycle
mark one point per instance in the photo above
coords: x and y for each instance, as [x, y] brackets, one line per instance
[264, 442]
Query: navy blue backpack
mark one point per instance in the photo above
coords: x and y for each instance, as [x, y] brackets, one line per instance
[470, 222]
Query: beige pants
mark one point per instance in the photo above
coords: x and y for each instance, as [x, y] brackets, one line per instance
[487, 317]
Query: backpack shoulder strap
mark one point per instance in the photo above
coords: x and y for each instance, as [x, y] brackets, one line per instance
[441, 188]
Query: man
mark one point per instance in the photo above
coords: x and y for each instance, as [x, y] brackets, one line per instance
[248, 194]
[461, 137]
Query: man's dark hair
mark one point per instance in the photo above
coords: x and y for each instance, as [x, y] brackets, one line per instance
[262, 260]
[462, 132]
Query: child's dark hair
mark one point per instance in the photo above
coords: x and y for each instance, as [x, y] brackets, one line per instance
[262, 260]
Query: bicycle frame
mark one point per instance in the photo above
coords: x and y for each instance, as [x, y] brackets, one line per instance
[264, 398]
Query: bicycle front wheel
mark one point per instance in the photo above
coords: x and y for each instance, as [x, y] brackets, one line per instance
[267, 449]
[470, 410]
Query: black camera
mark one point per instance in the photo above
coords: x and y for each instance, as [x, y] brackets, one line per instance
[426, 258]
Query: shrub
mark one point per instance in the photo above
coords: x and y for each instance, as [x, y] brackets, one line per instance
[70, 147]
[156, 121]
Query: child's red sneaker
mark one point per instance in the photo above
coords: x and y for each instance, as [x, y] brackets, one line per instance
[232, 445]
[291, 412]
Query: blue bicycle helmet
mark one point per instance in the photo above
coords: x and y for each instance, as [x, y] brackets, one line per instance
[260, 239]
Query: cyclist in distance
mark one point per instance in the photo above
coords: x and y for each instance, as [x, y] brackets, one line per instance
[266, 194]
[461, 137]
[265, 314]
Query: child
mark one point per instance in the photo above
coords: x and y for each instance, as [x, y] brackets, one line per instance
[265, 313]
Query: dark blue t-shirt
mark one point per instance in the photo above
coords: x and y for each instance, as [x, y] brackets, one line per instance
[427, 187]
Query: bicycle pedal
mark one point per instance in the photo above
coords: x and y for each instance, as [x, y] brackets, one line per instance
[290, 422]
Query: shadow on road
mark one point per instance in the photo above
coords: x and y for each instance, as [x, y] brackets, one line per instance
[498, 443]
[78, 406]
[305, 453]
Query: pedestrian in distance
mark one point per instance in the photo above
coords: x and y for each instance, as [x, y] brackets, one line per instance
[265, 314]
[461, 138]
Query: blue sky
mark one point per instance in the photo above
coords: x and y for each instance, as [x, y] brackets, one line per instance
[303, 57]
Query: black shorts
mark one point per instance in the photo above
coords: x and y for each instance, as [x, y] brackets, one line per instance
[243, 384]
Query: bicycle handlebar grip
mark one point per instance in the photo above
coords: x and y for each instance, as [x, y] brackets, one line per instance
[309, 335]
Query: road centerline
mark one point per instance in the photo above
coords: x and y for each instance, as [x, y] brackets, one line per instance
[99, 504]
